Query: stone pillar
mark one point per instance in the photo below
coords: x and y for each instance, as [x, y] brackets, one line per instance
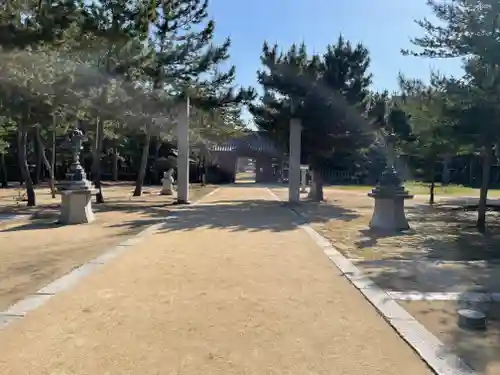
[303, 178]
[294, 164]
[183, 154]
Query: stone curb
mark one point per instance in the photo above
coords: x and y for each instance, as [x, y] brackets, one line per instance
[445, 296]
[6, 219]
[429, 348]
[19, 310]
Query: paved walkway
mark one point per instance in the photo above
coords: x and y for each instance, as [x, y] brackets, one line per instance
[230, 286]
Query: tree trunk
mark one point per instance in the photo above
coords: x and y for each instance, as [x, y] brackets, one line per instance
[53, 153]
[144, 163]
[471, 170]
[433, 184]
[22, 140]
[155, 178]
[45, 160]
[316, 191]
[157, 148]
[116, 156]
[483, 194]
[312, 189]
[446, 170]
[96, 162]
[204, 171]
[38, 163]
[3, 167]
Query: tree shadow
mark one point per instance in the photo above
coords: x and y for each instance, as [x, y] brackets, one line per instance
[479, 350]
[445, 253]
[424, 260]
[150, 205]
[448, 232]
[35, 224]
[372, 236]
[251, 215]
[324, 211]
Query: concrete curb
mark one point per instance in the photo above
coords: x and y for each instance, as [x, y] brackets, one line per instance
[33, 301]
[424, 343]
[6, 219]
[445, 296]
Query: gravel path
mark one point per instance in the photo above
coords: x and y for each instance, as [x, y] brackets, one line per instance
[230, 286]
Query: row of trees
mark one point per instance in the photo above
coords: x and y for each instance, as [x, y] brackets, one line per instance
[343, 119]
[122, 69]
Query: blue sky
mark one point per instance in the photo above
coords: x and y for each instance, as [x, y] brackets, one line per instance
[383, 26]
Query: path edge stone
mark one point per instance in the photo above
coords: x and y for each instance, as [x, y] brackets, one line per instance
[21, 308]
[427, 346]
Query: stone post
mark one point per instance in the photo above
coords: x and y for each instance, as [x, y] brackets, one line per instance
[183, 154]
[294, 164]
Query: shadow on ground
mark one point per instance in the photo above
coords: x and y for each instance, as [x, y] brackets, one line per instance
[444, 252]
[246, 215]
[150, 206]
[480, 350]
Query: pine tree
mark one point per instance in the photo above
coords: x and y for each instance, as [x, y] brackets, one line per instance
[469, 30]
[185, 62]
[26, 28]
[326, 92]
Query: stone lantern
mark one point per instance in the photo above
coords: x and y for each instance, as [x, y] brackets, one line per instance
[389, 194]
[75, 190]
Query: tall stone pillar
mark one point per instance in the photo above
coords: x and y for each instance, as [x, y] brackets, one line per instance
[294, 164]
[183, 154]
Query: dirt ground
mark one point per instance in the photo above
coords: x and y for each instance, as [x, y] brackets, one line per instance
[480, 350]
[441, 253]
[35, 250]
[232, 286]
[442, 232]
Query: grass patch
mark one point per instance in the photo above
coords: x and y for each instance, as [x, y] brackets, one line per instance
[421, 188]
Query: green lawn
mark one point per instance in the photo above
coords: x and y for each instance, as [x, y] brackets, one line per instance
[423, 189]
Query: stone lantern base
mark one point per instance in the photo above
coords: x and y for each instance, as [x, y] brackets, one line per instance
[76, 203]
[389, 213]
[166, 188]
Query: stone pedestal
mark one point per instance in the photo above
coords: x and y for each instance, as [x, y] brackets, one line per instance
[76, 206]
[167, 182]
[389, 213]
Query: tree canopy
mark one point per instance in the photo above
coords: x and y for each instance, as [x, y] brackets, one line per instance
[326, 92]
